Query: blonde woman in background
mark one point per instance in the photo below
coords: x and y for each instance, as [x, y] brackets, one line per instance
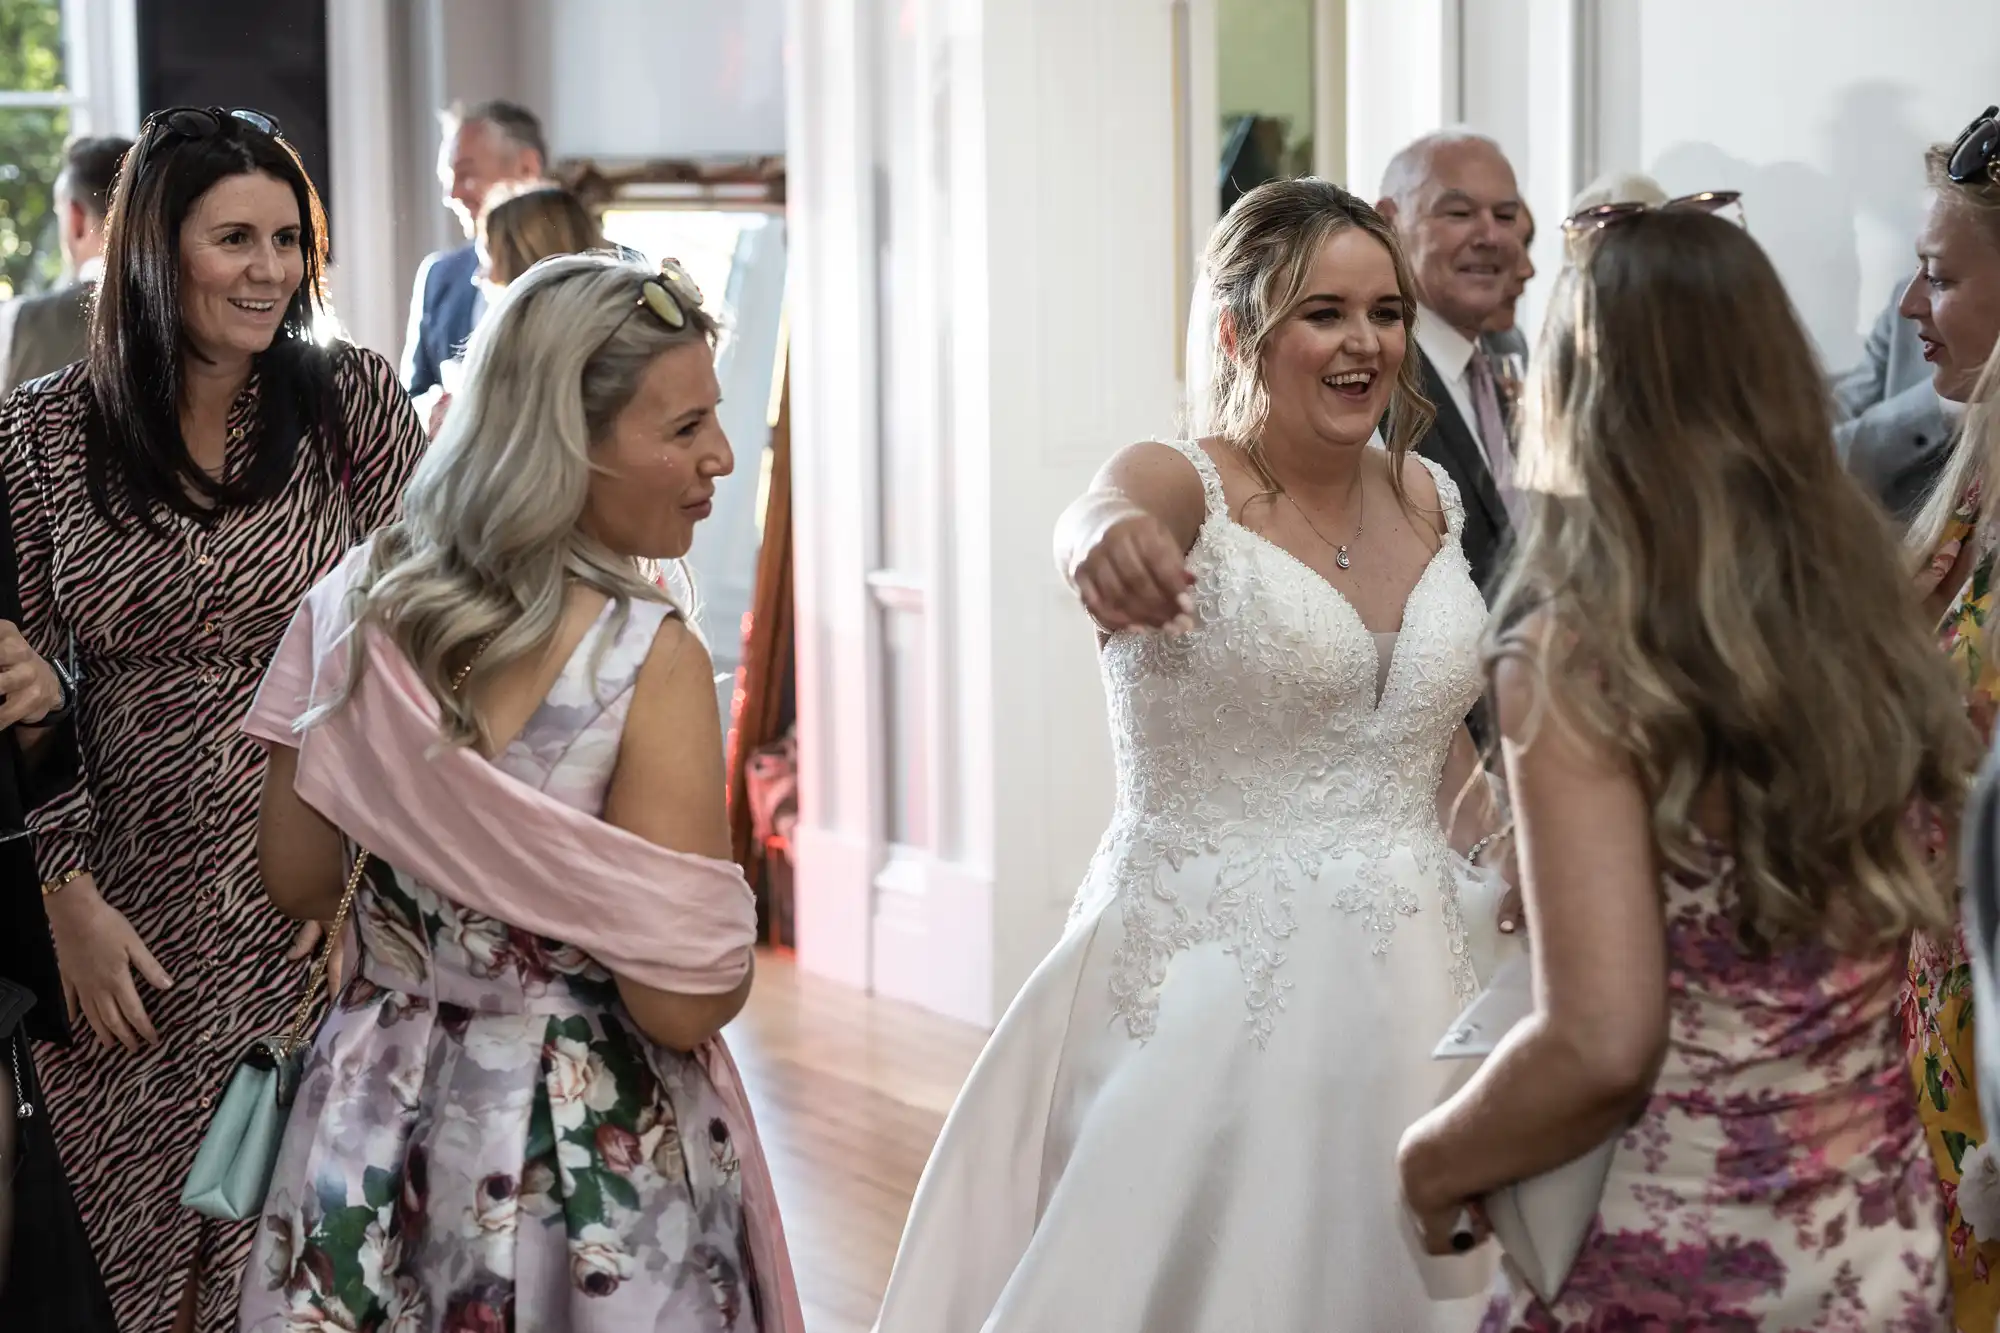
[521, 1111]
[1954, 545]
[1907, 398]
[521, 226]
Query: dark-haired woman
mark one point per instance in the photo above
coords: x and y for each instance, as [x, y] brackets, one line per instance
[172, 499]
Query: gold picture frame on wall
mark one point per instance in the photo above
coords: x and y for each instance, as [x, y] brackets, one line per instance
[733, 183]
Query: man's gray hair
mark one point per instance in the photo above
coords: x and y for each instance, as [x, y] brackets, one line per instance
[1411, 167]
[518, 125]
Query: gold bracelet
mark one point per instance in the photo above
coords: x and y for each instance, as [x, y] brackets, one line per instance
[51, 888]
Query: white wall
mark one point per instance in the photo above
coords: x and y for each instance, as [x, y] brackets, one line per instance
[1402, 80]
[611, 79]
[1818, 110]
[1266, 54]
[664, 78]
[986, 299]
[362, 103]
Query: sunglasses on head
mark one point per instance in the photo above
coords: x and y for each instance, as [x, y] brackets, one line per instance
[195, 122]
[1728, 203]
[668, 294]
[1974, 156]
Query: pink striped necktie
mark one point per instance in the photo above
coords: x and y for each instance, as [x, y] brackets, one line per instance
[1492, 426]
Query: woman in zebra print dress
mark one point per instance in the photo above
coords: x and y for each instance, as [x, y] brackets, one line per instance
[172, 499]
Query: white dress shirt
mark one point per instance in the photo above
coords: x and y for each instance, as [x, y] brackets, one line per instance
[1451, 353]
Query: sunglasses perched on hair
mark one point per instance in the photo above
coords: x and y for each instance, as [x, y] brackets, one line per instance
[669, 293]
[1975, 158]
[194, 122]
[1725, 203]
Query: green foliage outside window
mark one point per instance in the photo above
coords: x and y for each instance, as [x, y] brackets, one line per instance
[31, 144]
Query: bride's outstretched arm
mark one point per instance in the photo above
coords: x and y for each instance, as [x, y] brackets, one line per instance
[1573, 1073]
[1123, 543]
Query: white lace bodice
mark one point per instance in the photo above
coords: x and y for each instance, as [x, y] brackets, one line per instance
[1257, 743]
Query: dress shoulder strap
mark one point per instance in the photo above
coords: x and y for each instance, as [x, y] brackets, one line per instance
[626, 642]
[1204, 466]
[1448, 496]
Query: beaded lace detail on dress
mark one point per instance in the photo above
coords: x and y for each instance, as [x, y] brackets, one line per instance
[1255, 744]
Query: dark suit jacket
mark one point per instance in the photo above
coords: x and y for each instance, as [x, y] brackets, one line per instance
[27, 955]
[1451, 444]
[50, 1278]
[1894, 433]
[444, 305]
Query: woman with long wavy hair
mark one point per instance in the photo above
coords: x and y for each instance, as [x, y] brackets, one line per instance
[1726, 735]
[521, 1111]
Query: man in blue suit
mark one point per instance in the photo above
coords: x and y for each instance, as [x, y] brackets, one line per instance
[493, 143]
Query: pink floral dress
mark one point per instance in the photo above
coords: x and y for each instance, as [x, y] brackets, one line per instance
[483, 1141]
[1777, 1178]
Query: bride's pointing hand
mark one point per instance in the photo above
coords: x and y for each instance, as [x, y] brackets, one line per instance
[1134, 576]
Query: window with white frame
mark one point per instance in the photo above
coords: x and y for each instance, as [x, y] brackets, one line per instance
[64, 72]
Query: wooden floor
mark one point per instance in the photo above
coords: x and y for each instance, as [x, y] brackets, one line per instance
[849, 1092]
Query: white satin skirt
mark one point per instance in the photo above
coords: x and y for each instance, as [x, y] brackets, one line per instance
[1196, 1182]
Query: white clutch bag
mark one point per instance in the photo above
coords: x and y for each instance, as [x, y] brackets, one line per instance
[1540, 1223]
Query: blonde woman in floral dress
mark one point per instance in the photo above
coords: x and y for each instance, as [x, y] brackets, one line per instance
[1954, 298]
[521, 1114]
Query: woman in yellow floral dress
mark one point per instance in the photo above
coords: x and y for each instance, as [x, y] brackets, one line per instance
[1955, 301]
[1937, 1003]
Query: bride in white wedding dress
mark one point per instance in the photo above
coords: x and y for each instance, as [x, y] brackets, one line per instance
[1188, 1118]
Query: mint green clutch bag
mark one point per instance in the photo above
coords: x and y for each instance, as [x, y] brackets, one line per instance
[232, 1170]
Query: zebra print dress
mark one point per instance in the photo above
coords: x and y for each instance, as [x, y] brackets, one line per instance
[173, 633]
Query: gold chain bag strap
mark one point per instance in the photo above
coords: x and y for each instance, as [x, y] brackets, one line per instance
[232, 1170]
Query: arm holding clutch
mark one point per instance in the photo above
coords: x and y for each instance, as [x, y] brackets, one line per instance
[1574, 1072]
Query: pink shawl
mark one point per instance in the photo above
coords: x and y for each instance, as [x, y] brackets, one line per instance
[378, 770]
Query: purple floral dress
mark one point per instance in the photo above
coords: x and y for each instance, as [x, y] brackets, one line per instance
[483, 1142]
[1777, 1178]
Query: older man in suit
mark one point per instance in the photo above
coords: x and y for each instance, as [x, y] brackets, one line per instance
[1504, 337]
[491, 144]
[1896, 432]
[1454, 202]
[39, 335]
